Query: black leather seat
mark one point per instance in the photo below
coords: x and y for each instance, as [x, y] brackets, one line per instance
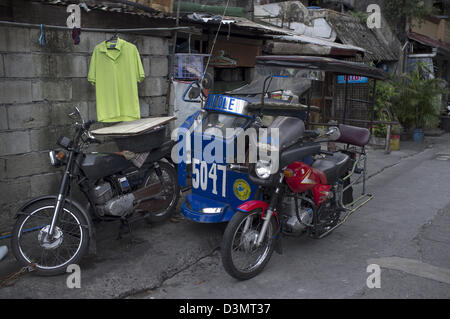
[334, 167]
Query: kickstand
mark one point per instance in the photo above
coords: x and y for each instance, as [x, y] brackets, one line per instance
[124, 223]
[278, 246]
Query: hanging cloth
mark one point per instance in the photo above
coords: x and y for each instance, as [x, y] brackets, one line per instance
[115, 70]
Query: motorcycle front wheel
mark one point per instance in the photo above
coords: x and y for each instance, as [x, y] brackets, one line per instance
[51, 255]
[242, 258]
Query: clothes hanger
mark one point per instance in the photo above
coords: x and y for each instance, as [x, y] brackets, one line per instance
[112, 40]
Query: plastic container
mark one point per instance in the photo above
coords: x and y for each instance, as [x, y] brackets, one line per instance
[418, 135]
[395, 142]
[144, 142]
[188, 66]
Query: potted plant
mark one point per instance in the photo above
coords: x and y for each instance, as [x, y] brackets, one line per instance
[417, 102]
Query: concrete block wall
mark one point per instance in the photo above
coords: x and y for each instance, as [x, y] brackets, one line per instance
[39, 86]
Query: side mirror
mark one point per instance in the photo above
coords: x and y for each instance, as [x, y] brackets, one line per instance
[194, 93]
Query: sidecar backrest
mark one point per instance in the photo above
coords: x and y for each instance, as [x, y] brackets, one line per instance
[354, 135]
[290, 129]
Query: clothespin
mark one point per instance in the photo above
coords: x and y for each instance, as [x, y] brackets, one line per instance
[42, 39]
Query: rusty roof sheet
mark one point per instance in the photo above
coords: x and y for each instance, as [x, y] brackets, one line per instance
[110, 6]
[353, 31]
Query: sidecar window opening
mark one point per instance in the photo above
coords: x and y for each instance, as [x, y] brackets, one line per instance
[220, 121]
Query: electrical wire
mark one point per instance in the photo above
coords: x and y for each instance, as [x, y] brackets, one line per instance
[215, 40]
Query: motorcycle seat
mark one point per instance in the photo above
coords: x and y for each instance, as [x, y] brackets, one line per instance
[354, 135]
[333, 167]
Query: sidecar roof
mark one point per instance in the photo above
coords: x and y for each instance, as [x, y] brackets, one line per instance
[322, 64]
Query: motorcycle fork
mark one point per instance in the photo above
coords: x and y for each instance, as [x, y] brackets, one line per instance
[270, 210]
[63, 189]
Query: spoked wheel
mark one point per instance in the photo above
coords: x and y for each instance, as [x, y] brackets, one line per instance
[242, 257]
[164, 191]
[31, 242]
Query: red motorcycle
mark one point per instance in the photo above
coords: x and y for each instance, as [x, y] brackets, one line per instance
[318, 189]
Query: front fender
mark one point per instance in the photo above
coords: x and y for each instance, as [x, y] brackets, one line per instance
[252, 205]
[83, 211]
[256, 204]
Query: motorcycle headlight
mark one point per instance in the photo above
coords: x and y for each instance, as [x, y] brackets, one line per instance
[263, 169]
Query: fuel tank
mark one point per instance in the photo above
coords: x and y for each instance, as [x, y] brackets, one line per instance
[99, 165]
[301, 177]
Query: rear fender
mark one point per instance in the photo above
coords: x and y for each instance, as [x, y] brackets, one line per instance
[87, 217]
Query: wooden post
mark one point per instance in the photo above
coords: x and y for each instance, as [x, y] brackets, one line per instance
[388, 139]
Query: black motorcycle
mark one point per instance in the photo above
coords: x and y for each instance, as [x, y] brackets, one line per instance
[52, 232]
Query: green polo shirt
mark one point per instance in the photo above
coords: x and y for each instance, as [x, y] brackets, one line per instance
[115, 73]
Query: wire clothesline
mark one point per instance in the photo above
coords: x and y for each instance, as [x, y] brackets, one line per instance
[56, 27]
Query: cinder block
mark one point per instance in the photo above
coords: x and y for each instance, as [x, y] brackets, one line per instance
[56, 41]
[158, 106]
[73, 66]
[2, 69]
[92, 111]
[153, 45]
[15, 91]
[14, 143]
[60, 112]
[146, 65]
[28, 164]
[159, 66]
[82, 90]
[2, 169]
[15, 190]
[144, 106]
[45, 139]
[45, 184]
[52, 90]
[8, 212]
[14, 39]
[26, 65]
[153, 87]
[3, 118]
[28, 115]
[88, 42]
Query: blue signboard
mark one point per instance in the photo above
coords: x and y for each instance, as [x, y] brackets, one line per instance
[352, 79]
[227, 104]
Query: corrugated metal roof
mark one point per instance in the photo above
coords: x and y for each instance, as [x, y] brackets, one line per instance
[277, 33]
[445, 47]
[110, 6]
[352, 31]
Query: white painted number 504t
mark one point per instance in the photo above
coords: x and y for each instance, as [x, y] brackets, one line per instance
[201, 176]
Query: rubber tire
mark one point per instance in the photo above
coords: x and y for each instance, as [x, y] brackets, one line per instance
[171, 171]
[75, 260]
[227, 242]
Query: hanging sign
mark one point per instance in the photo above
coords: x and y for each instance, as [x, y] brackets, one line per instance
[352, 79]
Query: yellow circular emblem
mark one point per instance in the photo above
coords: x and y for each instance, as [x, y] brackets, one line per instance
[242, 189]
